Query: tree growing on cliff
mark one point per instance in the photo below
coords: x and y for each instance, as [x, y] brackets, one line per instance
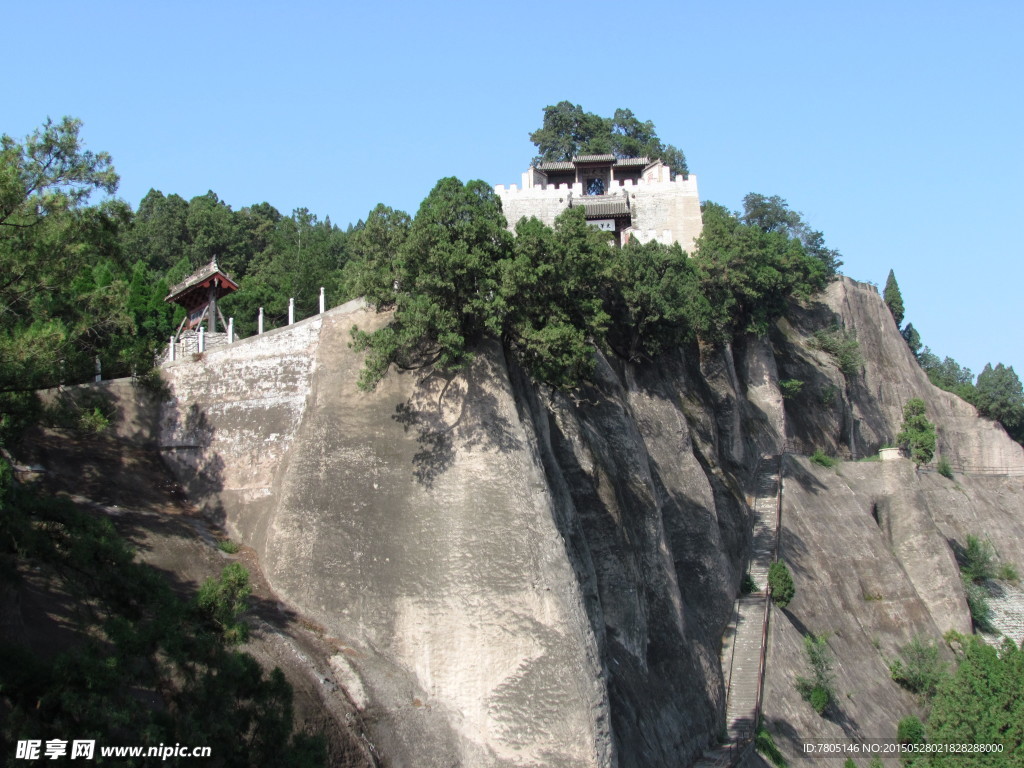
[893, 298]
[773, 214]
[998, 395]
[447, 281]
[912, 337]
[917, 434]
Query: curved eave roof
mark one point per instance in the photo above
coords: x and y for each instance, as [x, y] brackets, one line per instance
[203, 278]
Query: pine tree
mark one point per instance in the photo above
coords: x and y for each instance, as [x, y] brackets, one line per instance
[893, 298]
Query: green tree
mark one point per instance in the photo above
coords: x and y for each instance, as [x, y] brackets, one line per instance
[947, 374]
[447, 281]
[748, 275]
[773, 214]
[56, 310]
[980, 703]
[998, 395]
[917, 434]
[549, 304]
[912, 337]
[158, 234]
[893, 298]
[568, 131]
[656, 302]
[215, 232]
[373, 247]
[910, 730]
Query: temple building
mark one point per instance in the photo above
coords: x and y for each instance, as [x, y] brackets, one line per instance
[632, 197]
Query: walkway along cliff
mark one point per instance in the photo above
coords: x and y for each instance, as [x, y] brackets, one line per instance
[522, 578]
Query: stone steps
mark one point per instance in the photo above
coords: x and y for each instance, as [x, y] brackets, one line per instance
[742, 648]
[1006, 601]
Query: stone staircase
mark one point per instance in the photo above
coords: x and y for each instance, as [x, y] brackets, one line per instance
[1006, 601]
[742, 646]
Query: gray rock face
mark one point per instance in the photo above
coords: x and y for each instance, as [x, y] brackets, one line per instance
[520, 578]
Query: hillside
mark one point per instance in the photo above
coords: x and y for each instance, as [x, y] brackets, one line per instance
[507, 575]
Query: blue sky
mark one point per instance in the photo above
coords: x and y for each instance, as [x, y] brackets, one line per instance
[896, 127]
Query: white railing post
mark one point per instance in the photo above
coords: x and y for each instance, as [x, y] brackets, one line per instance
[321, 299]
[259, 323]
[291, 311]
[202, 339]
[170, 350]
[231, 330]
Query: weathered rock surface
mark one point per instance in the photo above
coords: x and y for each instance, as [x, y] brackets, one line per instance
[523, 579]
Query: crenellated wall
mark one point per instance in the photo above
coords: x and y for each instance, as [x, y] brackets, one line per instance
[662, 209]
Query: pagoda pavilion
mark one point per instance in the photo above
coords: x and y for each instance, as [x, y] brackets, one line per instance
[198, 294]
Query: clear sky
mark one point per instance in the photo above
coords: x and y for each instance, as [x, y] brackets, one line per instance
[895, 127]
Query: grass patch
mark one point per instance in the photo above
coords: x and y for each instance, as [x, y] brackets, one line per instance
[790, 388]
[765, 744]
[842, 346]
[944, 468]
[229, 546]
[822, 459]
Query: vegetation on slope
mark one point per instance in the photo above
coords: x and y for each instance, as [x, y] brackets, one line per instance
[997, 393]
[140, 665]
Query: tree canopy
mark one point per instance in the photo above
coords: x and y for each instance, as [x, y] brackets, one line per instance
[773, 214]
[60, 297]
[980, 703]
[568, 131]
[998, 395]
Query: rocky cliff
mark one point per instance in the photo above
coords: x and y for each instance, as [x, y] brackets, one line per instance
[516, 577]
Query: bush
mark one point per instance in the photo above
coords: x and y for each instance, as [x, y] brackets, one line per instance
[1007, 572]
[790, 388]
[818, 690]
[842, 346]
[944, 468]
[910, 730]
[977, 602]
[747, 585]
[977, 560]
[765, 744]
[919, 670]
[229, 547]
[822, 459]
[94, 421]
[223, 601]
[780, 584]
[819, 699]
[828, 395]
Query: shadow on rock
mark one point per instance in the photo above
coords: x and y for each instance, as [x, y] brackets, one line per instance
[449, 408]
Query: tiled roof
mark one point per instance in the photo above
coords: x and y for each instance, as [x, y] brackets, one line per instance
[593, 158]
[201, 274]
[632, 161]
[559, 165]
[604, 206]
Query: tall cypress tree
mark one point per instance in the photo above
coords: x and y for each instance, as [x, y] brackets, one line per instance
[893, 298]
